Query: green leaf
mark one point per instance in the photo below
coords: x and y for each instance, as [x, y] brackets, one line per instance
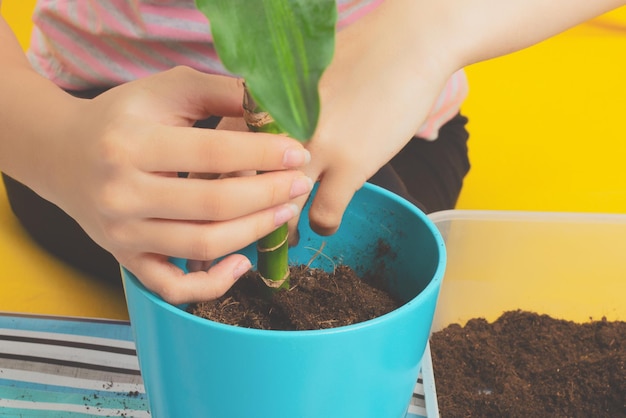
[281, 49]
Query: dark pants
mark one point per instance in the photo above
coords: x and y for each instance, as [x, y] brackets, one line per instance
[428, 173]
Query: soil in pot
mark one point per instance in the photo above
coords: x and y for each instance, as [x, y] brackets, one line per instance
[316, 300]
[530, 365]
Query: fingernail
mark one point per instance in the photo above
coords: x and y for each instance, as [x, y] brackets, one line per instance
[241, 269]
[296, 157]
[285, 213]
[301, 185]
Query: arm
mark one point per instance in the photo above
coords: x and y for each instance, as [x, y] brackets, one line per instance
[390, 67]
[111, 164]
[483, 29]
[53, 109]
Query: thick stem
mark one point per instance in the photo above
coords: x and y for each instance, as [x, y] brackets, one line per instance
[273, 258]
[272, 250]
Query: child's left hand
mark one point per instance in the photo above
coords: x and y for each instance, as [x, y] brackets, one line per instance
[375, 95]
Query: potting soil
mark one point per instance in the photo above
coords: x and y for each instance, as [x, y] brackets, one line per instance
[530, 365]
[315, 300]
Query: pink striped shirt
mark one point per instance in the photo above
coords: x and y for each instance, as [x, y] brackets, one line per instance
[83, 44]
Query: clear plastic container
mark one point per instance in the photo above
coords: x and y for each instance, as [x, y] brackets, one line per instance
[567, 265]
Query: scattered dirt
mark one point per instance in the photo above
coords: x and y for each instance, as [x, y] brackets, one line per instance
[315, 300]
[530, 365]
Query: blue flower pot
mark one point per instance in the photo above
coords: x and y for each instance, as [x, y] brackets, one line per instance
[194, 367]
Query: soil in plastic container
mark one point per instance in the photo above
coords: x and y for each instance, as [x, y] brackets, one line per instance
[526, 364]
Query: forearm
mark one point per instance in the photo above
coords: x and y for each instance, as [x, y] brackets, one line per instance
[474, 31]
[34, 115]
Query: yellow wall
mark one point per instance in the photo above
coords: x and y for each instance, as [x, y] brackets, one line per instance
[546, 124]
[17, 13]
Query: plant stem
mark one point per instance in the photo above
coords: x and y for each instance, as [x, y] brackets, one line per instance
[272, 250]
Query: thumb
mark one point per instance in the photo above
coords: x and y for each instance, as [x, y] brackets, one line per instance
[177, 287]
[202, 94]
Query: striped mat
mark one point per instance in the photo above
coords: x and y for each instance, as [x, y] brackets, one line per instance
[61, 367]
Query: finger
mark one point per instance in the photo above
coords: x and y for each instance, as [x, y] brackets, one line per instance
[216, 200]
[334, 193]
[200, 240]
[313, 171]
[201, 94]
[176, 287]
[294, 233]
[197, 150]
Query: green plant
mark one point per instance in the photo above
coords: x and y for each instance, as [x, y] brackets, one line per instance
[280, 48]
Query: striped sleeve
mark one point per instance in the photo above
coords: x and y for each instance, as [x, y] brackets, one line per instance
[446, 107]
[85, 44]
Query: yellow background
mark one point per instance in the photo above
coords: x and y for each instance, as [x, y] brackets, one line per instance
[547, 134]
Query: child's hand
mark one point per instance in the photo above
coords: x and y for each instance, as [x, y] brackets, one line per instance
[119, 180]
[375, 95]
